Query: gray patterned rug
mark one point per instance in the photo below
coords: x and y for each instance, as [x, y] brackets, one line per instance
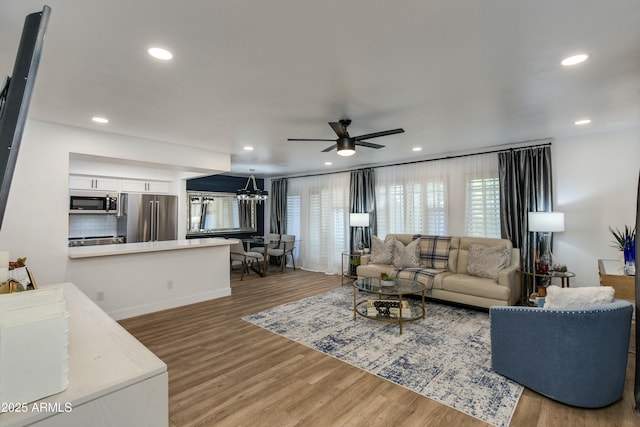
[445, 357]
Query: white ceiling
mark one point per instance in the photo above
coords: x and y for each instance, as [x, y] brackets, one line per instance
[456, 75]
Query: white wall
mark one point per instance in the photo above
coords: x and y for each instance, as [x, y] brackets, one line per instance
[595, 182]
[140, 283]
[36, 220]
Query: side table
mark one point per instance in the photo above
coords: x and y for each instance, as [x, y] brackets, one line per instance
[612, 274]
[350, 261]
[528, 281]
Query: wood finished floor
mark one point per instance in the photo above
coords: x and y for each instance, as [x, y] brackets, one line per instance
[224, 371]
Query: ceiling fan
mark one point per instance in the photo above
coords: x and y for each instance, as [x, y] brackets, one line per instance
[345, 144]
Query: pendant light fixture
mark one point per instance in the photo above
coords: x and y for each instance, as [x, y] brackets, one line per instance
[256, 194]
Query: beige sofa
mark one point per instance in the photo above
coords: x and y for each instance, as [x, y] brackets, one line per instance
[454, 283]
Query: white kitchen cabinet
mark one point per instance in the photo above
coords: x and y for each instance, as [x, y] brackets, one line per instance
[85, 182]
[142, 186]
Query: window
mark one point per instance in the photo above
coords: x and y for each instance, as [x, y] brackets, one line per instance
[317, 215]
[483, 207]
[457, 196]
[416, 207]
[293, 215]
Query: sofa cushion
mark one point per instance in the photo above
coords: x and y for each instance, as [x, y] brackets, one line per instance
[406, 256]
[476, 286]
[381, 252]
[434, 251]
[485, 261]
[562, 298]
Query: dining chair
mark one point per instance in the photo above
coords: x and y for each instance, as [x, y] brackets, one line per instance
[247, 259]
[238, 258]
[287, 244]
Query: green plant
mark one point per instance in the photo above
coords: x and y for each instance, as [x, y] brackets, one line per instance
[620, 237]
[387, 278]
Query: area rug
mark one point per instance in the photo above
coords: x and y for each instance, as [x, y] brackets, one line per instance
[445, 357]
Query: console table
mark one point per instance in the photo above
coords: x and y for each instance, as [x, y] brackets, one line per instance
[612, 274]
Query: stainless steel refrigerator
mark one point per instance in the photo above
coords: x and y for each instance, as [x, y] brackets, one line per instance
[148, 217]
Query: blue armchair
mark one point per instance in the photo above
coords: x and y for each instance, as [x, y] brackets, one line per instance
[574, 356]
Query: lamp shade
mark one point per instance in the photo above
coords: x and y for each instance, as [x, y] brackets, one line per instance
[546, 222]
[359, 219]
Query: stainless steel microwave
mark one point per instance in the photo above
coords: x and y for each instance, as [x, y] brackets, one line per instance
[93, 202]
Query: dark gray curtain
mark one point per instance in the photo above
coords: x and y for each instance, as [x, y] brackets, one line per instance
[525, 186]
[244, 212]
[278, 206]
[362, 196]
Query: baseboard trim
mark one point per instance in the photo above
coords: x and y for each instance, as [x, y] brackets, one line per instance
[154, 306]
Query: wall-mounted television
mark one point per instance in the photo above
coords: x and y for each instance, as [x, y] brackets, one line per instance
[15, 95]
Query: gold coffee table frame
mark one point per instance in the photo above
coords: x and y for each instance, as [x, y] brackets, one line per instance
[400, 288]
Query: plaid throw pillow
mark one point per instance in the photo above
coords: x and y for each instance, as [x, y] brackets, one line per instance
[434, 251]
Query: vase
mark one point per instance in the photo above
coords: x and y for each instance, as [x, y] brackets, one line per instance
[629, 250]
[630, 256]
[630, 268]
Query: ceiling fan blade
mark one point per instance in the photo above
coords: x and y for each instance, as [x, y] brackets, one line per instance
[378, 134]
[369, 144]
[306, 139]
[326, 150]
[339, 129]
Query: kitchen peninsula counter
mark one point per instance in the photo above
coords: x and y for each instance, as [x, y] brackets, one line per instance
[130, 279]
[142, 247]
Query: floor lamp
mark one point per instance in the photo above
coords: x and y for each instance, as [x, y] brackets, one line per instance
[546, 223]
[359, 220]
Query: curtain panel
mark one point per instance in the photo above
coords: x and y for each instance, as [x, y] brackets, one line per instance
[525, 186]
[456, 197]
[318, 215]
[362, 198]
[278, 210]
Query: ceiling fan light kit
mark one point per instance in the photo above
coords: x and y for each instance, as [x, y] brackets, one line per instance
[345, 144]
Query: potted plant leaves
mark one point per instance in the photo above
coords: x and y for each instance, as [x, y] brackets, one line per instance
[387, 280]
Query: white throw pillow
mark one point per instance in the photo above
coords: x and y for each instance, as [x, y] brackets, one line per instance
[381, 252]
[561, 298]
[487, 261]
[406, 256]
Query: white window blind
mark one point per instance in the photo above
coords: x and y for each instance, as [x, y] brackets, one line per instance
[483, 207]
[293, 214]
[414, 207]
[433, 197]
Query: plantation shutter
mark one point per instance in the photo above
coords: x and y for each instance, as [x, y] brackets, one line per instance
[483, 207]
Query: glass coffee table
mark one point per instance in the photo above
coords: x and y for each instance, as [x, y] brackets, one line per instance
[389, 306]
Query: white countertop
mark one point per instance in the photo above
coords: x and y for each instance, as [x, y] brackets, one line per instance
[103, 358]
[133, 248]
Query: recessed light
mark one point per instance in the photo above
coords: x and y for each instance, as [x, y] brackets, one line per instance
[575, 59]
[328, 163]
[101, 120]
[416, 149]
[248, 148]
[160, 53]
[582, 122]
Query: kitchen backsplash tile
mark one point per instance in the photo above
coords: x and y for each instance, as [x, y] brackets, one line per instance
[89, 225]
